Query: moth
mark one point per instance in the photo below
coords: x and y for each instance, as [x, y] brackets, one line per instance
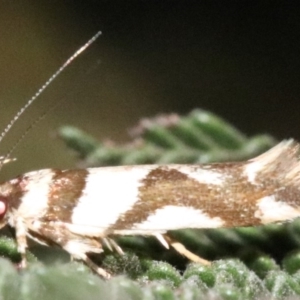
[82, 210]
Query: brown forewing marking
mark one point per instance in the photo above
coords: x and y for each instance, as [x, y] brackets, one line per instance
[64, 193]
[234, 201]
[286, 188]
[289, 194]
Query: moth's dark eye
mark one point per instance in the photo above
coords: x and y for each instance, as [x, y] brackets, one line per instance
[3, 207]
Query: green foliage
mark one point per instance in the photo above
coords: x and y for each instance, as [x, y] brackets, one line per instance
[200, 137]
[248, 263]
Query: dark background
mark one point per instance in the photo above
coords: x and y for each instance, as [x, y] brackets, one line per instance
[239, 59]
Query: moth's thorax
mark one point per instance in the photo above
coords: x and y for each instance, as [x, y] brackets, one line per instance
[13, 190]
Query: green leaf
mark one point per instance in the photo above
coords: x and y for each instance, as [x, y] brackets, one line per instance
[200, 137]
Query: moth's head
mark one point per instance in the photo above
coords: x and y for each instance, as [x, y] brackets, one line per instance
[5, 191]
[3, 210]
[3, 204]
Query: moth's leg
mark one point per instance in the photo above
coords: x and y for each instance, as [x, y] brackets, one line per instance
[74, 248]
[112, 245]
[162, 240]
[115, 246]
[185, 252]
[77, 246]
[21, 231]
[106, 242]
[92, 265]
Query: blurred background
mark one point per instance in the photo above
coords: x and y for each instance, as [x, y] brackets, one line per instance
[239, 59]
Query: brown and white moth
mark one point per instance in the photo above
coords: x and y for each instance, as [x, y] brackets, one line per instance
[81, 210]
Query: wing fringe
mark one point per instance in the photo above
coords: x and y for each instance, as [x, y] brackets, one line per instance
[282, 160]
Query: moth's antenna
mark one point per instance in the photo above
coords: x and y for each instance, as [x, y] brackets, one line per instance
[12, 122]
[6, 158]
